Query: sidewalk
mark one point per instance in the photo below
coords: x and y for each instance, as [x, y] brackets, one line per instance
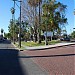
[49, 46]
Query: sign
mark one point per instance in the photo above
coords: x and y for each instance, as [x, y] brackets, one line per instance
[48, 33]
[18, 35]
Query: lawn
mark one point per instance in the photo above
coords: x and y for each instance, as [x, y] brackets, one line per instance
[16, 44]
[32, 44]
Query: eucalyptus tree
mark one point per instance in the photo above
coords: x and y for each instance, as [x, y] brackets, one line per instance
[34, 4]
[28, 15]
[37, 18]
[31, 14]
[54, 15]
[73, 35]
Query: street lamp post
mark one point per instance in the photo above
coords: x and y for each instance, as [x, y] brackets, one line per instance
[20, 23]
[20, 27]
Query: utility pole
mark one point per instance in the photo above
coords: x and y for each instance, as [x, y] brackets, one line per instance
[13, 11]
[20, 23]
[20, 27]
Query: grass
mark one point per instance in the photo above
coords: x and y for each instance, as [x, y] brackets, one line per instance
[54, 42]
[16, 44]
[32, 44]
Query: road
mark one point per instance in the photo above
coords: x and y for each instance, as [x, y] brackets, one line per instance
[55, 61]
[13, 63]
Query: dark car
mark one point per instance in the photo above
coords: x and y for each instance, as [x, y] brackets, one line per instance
[67, 39]
[5, 38]
[62, 39]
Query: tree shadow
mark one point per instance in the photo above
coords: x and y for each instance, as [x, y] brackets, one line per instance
[10, 63]
[60, 55]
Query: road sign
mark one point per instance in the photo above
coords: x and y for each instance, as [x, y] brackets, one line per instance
[48, 33]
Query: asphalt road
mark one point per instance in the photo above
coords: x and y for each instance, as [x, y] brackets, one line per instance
[55, 61]
[12, 62]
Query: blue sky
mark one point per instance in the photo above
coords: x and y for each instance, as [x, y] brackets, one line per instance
[5, 14]
[69, 14]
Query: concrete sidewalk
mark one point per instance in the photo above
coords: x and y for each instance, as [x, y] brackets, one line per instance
[49, 46]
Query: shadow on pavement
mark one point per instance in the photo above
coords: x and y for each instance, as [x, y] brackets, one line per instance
[5, 42]
[10, 63]
[61, 55]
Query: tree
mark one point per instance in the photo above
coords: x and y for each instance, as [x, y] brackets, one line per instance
[31, 13]
[54, 15]
[2, 31]
[15, 29]
[35, 4]
[8, 35]
[24, 29]
[73, 34]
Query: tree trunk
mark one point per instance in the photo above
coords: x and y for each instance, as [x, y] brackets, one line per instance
[39, 31]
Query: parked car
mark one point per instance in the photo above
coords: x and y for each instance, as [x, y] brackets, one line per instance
[65, 39]
[61, 39]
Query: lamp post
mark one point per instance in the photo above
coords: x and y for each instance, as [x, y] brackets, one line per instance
[20, 23]
[13, 20]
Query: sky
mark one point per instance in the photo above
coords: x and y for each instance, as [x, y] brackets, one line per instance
[5, 14]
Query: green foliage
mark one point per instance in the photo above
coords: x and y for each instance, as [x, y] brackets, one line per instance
[14, 29]
[8, 35]
[53, 15]
[41, 44]
[2, 30]
[73, 34]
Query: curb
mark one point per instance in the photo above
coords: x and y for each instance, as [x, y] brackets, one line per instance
[49, 47]
[17, 47]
